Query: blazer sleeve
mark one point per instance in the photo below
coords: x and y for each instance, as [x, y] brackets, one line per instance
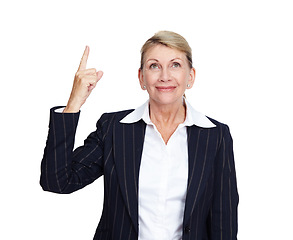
[62, 169]
[223, 214]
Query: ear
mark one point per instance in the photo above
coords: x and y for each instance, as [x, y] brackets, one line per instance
[140, 77]
[192, 75]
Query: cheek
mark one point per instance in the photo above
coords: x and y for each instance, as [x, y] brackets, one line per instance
[182, 77]
[150, 77]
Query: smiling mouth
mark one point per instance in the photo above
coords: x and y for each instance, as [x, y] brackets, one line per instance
[166, 89]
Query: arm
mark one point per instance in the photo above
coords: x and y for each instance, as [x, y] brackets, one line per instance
[64, 170]
[223, 214]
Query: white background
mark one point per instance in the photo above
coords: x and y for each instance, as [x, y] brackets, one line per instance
[243, 54]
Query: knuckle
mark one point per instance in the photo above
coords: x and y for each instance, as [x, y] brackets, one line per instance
[77, 74]
[91, 71]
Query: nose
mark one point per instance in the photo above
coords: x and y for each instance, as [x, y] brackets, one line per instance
[165, 75]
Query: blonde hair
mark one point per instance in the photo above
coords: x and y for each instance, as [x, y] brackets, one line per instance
[168, 39]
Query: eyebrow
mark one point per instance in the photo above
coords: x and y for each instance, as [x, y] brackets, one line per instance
[152, 59]
[156, 60]
[176, 59]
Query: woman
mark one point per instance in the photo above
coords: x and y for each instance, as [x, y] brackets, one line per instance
[168, 170]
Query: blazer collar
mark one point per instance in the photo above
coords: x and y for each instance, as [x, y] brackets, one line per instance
[193, 117]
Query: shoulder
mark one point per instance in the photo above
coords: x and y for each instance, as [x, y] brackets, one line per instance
[110, 118]
[117, 116]
[218, 124]
[221, 129]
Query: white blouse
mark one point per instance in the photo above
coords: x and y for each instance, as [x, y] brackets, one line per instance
[163, 176]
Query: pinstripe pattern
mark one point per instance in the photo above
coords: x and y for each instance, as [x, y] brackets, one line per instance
[114, 150]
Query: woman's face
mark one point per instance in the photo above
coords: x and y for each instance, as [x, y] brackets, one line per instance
[166, 74]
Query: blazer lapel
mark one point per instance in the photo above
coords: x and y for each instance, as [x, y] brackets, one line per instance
[128, 145]
[199, 166]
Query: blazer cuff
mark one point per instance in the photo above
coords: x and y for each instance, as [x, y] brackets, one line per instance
[60, 109]
[69, 120]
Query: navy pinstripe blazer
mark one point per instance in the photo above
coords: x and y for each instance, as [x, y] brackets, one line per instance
[114, 150]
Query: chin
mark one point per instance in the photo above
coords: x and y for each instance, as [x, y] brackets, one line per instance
[167, 99]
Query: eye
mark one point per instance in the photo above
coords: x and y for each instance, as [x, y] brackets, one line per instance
[154, 66]
[176, 65]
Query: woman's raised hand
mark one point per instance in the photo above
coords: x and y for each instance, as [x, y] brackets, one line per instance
[85, 81]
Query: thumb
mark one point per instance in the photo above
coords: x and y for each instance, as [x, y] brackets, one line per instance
[99, 75]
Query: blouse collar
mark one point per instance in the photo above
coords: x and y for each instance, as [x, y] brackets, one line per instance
[193, 117]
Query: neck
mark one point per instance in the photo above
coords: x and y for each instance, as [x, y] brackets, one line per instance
[167, 114]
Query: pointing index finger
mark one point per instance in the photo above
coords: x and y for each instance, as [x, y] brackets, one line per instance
[84, 58]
